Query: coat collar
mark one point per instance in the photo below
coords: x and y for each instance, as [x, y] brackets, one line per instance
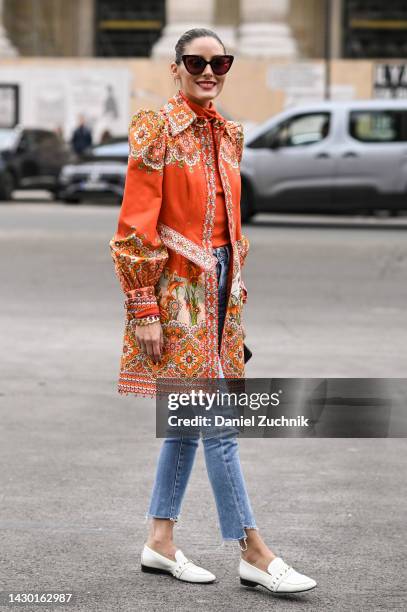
[180, 116]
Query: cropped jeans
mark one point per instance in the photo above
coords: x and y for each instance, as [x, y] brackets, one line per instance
[221, 453]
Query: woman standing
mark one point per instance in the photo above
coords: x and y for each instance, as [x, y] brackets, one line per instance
[178, 253]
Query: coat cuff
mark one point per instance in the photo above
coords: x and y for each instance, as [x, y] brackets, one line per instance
[141, 302]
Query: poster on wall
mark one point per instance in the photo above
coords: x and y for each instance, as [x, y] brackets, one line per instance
[56, 98]
[390, 80]
[301, 82]
[9, 105]
[304, 83]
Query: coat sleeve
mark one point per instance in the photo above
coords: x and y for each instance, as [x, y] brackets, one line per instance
[138, 253]
[239, 142]
[243, 242]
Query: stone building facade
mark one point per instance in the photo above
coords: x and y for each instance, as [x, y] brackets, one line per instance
[84, 28]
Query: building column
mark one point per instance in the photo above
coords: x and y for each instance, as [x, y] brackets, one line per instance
[264, 31]
[336, 29]
[86, 28]
[182, 16]
[6, 48]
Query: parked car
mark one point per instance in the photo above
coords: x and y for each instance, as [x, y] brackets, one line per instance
[328, 157]
[30, 158]
[99, 174]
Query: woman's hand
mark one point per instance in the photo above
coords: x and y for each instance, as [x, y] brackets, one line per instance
[150, 339]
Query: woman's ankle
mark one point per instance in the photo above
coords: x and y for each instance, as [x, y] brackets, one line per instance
[254, 550]
[259, 559]
[251, 555]
[164, 546]
[161, 532]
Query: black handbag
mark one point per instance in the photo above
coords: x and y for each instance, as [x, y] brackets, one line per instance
[247, 353]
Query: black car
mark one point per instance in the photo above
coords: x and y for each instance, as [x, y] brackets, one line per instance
[30, 159]
[98, 175]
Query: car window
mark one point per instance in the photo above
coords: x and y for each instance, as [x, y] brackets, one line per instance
[121, 149]
[51, 139]
[304, 129]
[30, 138]
[378, 125]
[27, 140]
[45, 139]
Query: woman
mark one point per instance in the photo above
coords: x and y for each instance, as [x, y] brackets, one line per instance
[178, 252]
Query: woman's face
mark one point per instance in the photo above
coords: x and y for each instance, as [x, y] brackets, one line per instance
[207, 47]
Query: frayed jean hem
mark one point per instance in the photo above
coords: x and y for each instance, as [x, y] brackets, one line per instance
[175, 519]
[238, 539]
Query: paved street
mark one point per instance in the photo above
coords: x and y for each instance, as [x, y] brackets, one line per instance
[326, 297]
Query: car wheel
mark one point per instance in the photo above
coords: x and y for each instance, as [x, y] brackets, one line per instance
[246, 202]
[6, 186]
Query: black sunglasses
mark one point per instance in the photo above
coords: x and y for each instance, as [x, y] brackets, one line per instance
[196, 64]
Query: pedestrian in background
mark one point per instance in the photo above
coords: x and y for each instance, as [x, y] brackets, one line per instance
[106, 137]
[179, 252]
[81, 137]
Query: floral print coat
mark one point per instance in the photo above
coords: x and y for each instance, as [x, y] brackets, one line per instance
[162, 249]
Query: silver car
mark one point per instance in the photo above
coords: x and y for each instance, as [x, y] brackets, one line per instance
[328, 157]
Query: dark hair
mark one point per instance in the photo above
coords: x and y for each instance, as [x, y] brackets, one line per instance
[189, 36]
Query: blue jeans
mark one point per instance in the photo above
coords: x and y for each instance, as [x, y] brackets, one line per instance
[222, 461]
[222, 254]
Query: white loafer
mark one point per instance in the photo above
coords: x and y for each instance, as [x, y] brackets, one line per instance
[182, 568]
[279, 578]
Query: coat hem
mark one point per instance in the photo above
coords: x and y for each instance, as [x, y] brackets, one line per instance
[138, 388]
[137, 392]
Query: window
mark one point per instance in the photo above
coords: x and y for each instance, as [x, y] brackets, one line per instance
[374, 28]
[38, 139]
[27, 141]
[46, 139]
[128, 28]
[32, 138]
[300, 130]
[115, 149]
[378, 126]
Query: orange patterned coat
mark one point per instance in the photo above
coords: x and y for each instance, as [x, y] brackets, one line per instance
[162, 249]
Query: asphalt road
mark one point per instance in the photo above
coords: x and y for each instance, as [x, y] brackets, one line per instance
[326, 298]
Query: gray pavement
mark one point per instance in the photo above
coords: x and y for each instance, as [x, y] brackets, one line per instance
[327, 297]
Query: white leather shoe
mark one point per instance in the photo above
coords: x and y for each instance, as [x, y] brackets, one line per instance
[279, 578]
[182, 568]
